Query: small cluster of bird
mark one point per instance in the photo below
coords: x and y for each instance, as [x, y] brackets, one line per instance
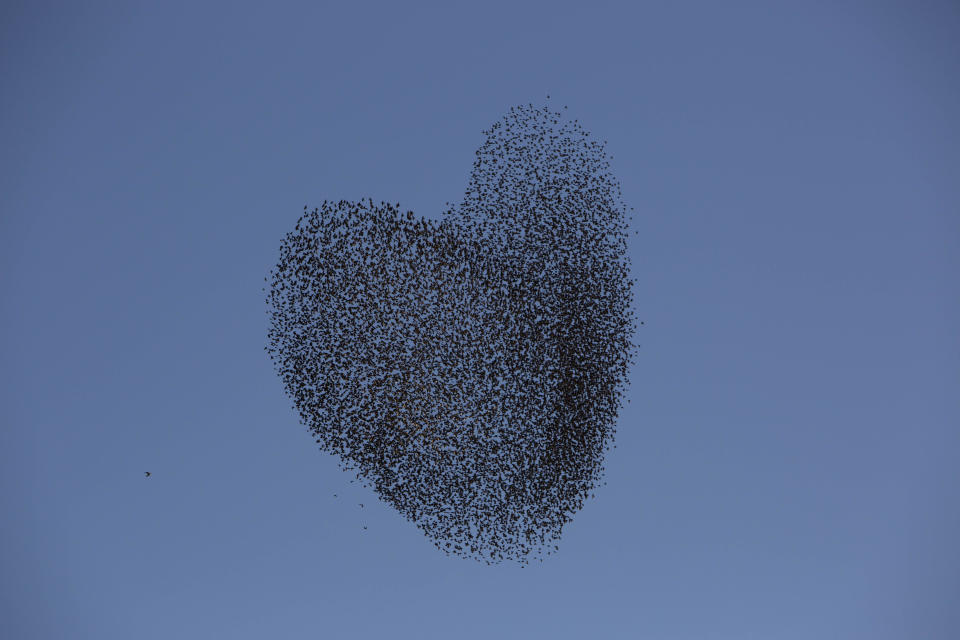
[469, 370]
[361, 506]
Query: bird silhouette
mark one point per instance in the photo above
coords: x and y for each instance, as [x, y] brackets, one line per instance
[147, 474]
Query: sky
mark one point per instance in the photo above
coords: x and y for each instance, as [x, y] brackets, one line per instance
[788, 466]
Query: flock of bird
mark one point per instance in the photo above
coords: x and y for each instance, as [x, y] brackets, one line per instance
[470, 370]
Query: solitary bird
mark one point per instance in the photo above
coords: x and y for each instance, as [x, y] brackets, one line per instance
[147, 473]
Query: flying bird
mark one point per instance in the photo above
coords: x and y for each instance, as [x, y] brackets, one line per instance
[146, 474]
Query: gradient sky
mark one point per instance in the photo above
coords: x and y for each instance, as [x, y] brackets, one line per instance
[789, 464]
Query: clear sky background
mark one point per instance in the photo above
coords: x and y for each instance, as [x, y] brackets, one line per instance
[789, 464]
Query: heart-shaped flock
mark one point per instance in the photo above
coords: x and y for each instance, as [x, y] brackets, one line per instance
[470, 370]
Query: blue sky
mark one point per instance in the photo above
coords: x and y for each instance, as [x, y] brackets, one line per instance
[789, 463]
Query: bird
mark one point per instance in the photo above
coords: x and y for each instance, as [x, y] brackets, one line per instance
[147, 474]
[361, 505]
